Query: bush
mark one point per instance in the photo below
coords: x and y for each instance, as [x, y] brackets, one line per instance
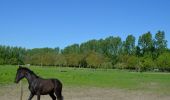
[120, 66]
[1, 61]
[163, 62]
[132, 62]
[147, 64]
[107, 65]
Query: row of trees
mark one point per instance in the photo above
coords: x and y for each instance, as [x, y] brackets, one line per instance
[150, 53]
[12, 55]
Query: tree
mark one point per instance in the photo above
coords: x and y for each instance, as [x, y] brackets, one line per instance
[129, 44]
[160, 42]
[73, 59]
[113, 45]
[71, 49]
[163, 61]
[94, 60]
[57, 50]
[148, 63]
[146, 44]
[132, 62]
[60, 60]
[11, 55]
[138, 51]
[110, 52]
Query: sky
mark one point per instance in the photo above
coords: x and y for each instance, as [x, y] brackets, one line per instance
[59, 23]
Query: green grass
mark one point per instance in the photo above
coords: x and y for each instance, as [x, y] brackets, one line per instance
[147, 81]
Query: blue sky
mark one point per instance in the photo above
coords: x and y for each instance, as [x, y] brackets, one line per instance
[53, 23]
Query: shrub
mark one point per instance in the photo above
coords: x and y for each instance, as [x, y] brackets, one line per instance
[148, 64]
[132, 62]
[106, 65]
[120, 66]
[163, 62]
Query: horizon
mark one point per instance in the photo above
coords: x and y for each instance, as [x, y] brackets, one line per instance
[38, 24]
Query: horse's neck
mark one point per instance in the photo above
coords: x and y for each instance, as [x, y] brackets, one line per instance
[30, 78]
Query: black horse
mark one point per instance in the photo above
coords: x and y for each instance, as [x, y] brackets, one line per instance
[39, 86]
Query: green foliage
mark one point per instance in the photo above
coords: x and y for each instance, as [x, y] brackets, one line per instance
[145, 42]
[60, 60]
[110, 52]
[107, 65]
[163, 62]
[129, 45]
[73, 59]
[128, 62]
[120, 66]
[11, 55]
[113, 45]
[147, 63]
[132, 62]
[2, 61]
[160, 42]
[94, 59]
[71, 49]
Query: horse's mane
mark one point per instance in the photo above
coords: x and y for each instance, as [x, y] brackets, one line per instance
[29, 71]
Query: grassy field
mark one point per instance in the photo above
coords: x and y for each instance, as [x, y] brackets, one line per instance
[146, 81]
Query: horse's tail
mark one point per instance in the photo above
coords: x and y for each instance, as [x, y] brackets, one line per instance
[58, 90]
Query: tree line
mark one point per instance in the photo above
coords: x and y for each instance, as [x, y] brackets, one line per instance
[149, 53]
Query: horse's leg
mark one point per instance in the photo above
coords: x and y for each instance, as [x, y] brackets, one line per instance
[58, 93]
[31, 96]
[52, 96]
[38, 96]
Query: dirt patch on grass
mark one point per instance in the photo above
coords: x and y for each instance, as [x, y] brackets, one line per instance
[12, 92]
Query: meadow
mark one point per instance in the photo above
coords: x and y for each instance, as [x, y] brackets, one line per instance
[80, 77]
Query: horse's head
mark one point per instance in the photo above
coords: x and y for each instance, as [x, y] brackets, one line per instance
[20, 74]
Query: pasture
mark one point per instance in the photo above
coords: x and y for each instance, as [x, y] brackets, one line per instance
[98, 81]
